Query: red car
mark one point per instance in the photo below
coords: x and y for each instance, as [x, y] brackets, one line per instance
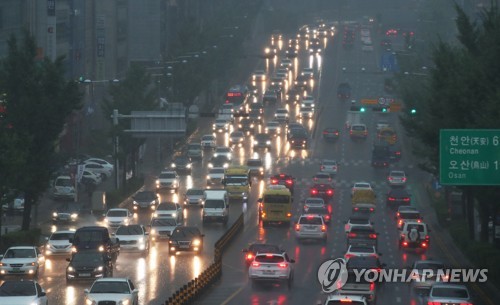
[283, 179]
[322, 190]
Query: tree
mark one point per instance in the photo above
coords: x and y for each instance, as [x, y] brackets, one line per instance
[134, 93]
[38, 100]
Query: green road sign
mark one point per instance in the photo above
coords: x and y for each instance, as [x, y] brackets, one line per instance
[469, 156]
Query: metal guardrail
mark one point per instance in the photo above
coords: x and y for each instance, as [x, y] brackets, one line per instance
[191, 291]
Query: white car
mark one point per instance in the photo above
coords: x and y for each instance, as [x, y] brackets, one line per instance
[112, 290]
[273, 128]
[92, 176]
[169, 210]
[221, 125]
[309, 72]
[271, 267]
[118, 217]
[236, 138]
[306, 112]
[168, 180]
[311, 226]
[215, 175]
[360, 186]
[21, 260]
[314, 202]
[58, 243]
[308, 101]
[22, 293]
[224, 151]
[281, 115]
[208, 141]
[133, 238]
[337, 299]
[98, 169]
[259, 75]
[100, 161]
[396, 178]
[162, 228]
[360, 250]
[357, 220]
[329, 166]
[322, 178]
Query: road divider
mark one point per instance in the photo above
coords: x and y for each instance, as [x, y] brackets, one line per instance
[192, 291]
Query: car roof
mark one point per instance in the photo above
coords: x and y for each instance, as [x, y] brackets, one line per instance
[22, 247]
[64, 232]
[112, 279]
[117, 209]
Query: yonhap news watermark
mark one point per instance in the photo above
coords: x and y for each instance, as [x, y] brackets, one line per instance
[333, 275]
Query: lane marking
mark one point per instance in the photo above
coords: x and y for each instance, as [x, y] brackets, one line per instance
[232, 296]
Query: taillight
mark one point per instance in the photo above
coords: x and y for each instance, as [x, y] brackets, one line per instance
[327, 217]
[404, 179]
[406, 199]
[288, 214]
[274, 181]
[255, 264]
[372, 236]
[283, 265]
[323, 228]
[289, 181]
[405, 244]
[329, 192]
[351, 235]
[424, 245]
[397, 214]
[345, 301]
[391, 198]
[348, 256]
[434, 303]
[356, 209]
[372, 286]
[400, 222]
[297, 227]
[372, 209]
[390, 178]
[419, 220]
[249, 256]
[427, 237]
[314, 191]
[322, 167]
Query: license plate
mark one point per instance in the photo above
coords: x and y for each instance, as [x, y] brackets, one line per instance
[268, 272]
[16, 269]
[184, 246]
[84, 274]
[310, 228]
[282, 183]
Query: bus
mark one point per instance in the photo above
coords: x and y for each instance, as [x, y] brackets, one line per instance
[275, 206]
[237, 182]
[238, 96]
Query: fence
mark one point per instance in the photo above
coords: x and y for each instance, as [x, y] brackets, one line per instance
[191, 291]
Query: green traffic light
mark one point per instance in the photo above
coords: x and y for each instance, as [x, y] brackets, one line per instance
[384, 109]
[413, 111]
[362, 109]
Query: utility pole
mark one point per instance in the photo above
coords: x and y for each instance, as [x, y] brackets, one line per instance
[116, 149]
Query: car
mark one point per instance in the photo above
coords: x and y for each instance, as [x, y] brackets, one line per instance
[185, 239]
[91, 177]
[414, 235]
[407, 214]
[281, 115]
[286, 63]
[298, 138]
[283, 179]
[21, 260]
[256, 248]
[387, 134]
[145, 200]
[221, 125]
[360, 250]
[169, 210]
[117, 217]
[13, 202]
[24, 292]
[314, 202]
[270, 52]
[380, 156]
[344, 91]
[247, 126]
[262, 140]
[398, 196]
[386, 44]
[330, 134]
[305, 112]
[95, 238]
[67, 212]
[421, 280]
[112, 290]
[311, 226]
[208, 141]
[277, 85]
[270, 96]
[181, 164]
[133, 238]
[360, 186]
[255, 116]
[322, 190]
[345, 299]
[257, 106]
[322, 177]
[98, 169]
[215, 175]
[271, 267]
[194, 151]
[324, 211]
[102, 162]
[219, 161]
[445, 293]
[309, 72]
[363, 287]
[223, 151]
[396, 178]
[308, 101]
[293, 95]
[358, 131]
[358, 219]
[58, 243]
[168, 180]
[256, 167]
[329, 166]
[273, 128]
[302, 82]
[162, 228]
[259, 75]
[194, 197]
[89, 265]
[362, 235]
[381, 124]
[291, 52]
[236, 138]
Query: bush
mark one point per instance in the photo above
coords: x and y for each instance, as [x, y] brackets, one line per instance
[114, 198]
[20, 238]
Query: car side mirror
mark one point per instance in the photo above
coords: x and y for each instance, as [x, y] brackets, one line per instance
[70, 240]
[68, 259]
[43, 293]
[86, 291]
[146, 233]
[135, 290]
[292, 261]
[113, 234]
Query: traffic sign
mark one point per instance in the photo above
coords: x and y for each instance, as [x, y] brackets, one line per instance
[369, 101]
[395, 107]
[469, 156]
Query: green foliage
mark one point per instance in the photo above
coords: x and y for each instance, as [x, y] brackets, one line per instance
[20, 238]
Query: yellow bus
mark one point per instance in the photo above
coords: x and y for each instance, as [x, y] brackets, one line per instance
[275, 205]
[237, 182]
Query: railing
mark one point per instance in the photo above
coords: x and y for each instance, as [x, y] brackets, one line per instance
[191, 291]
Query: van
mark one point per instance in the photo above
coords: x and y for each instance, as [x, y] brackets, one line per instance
[64, 188]
[216, 206]
[358, 131]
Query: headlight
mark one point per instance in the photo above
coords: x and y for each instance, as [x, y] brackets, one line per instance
[135, 202]
[70, 269]
[101, 249]
[90, 302]
[152, 232]
[174, 215]
[188, 166]
[54, 214]
[105, 220]
[261, 169]
[74, 216]
[196, 242]
[73, 249]
[208, 177]
[100, 268]
[126, 221]
[124, 302]
[155, 214]
[141, 240]
[256, 142]
[268, 142]
[157, 181]
[210, 165]
[172, 165]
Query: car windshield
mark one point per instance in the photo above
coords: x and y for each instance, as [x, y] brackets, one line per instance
[269, 259]
[110, 287]
[236, 180]
[117, 213]
[87, 257]
[64, 182]
[314, 201]
[397, 174]
[263, 248]
[194, 146]
[276, 199]
[17, 289]
[145, 196]
[273, 124]
[88, 236]
[282, 111]
[362, 185]
[317, 210]
[61, 236]
[130, 230]
[254, 163]
[20, 253]
[310, 221]
[214, 204]
[222, 150]
[167, 175]
[163, 222]
[195, 192]
[359, 249]
[237, 134]
[167, 206]
[450, 292]
[359, 221]
[329, 162]
[185, 232]
[322, 176]
[409, 215]
[216, 171]
[358, 127]
[208, 138]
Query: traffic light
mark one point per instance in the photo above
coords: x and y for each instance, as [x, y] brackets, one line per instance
[81, 79]
[384, 109]
[362, 109]
[380, 109]
[413, 111]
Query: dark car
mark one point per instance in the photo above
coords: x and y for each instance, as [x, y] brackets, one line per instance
[322, 190]
[185, 239]
[344, 91]
[181, 164]
[255, 248]
[330, 134]
[68, 212]
[323, 211]
[298, 139]
[276, 85]
[95, 238]
[255, 116]
[386, 44]
[219, 161]
[397, 197]
[262, 140]
[284, 179]
[256, 167]
[270, 96]
[89, 265]
[247, 126]
[362, 235]
[145, 200]
[293, 95]
[380, 156]
[302, 82]
[257, 106]
[291, 52]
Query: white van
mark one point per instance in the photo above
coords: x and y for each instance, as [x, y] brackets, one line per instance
[216, 206]
[64, 188]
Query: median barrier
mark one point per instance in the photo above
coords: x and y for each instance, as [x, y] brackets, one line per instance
[191, 291]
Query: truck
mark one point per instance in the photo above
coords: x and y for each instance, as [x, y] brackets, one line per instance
[237, 182]
[215, 206]
[363, 200]
[95, 238]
